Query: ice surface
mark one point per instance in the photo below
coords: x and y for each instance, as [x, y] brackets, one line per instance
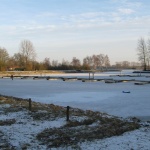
[97, 96]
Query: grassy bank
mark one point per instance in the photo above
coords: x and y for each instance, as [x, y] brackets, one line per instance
[46, 125]
[22, 73]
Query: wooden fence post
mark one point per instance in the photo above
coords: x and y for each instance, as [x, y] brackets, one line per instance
[30, 104]
[67, 113]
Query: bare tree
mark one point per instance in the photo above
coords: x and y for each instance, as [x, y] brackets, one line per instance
[118, 65]
[46, 63]
[55, 63]
[135, 65]
[148, 47]
[18, 60]
[94, 61]
[76, 62]
[101, 60]
[125, 64]
[98, 61]
[106, 61]
[4, 57]
[87, 61]
[65, 62]
[28, 53]
[142, 52]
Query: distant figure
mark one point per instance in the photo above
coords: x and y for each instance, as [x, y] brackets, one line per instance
[12, 77]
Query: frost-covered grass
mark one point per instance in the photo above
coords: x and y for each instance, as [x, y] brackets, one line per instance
[45, 126]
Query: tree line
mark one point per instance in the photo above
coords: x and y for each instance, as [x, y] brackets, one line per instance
[25, 60]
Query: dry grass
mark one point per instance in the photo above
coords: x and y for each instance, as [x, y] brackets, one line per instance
[87, 130]
[83, 125]
[7, 122]
[22, 73]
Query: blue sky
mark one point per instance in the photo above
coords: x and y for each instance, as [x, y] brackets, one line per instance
[62, 29]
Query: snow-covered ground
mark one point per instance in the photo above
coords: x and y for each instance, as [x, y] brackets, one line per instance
[98, 96]
[21, 135]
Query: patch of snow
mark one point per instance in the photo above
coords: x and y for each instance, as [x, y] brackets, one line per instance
[21, 133]
[5, 105]
[138, 139]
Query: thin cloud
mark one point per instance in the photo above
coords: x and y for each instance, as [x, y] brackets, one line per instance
[126, 11]
[109, 20]
[47, 14]
[92, 14]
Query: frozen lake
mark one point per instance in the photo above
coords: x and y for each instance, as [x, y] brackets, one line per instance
[98, 96]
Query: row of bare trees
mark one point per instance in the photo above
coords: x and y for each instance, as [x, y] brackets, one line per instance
[89, 62]
[25, 59]
[127, 65]
[97, 61]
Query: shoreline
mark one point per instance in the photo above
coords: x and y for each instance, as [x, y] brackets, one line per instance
[22, 73]
[47, 126]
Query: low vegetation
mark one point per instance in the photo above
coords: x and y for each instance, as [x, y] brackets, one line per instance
[82, 125]
[74, 132]
[28, 73]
